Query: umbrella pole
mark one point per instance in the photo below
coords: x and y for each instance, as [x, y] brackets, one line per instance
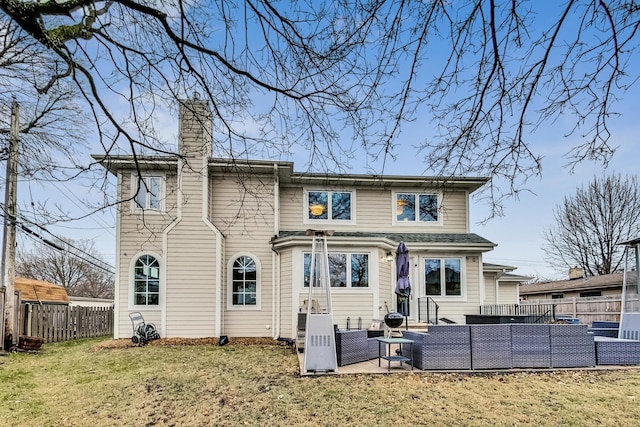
[406, 313]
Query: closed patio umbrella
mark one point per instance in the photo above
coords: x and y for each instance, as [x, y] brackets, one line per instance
[403, 286]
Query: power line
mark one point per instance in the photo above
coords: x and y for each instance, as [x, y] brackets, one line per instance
[95, 219]
[77, 252]
[33, 235]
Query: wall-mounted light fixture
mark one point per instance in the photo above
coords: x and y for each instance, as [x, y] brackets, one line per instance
[389, 257]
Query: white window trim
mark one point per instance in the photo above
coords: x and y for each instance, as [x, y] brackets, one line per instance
[463, 278]
[230, 305]
[345, 289]
[333, 222]
[416, 223]
[134, 191]
[132, 284]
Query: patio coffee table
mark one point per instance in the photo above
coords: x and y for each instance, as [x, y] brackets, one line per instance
[390, 357]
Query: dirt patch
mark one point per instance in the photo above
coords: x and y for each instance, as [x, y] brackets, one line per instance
[233, 341]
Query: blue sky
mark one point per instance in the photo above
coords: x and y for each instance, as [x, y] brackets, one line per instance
[518, 234]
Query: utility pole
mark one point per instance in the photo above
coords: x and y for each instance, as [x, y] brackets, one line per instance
[9, 233]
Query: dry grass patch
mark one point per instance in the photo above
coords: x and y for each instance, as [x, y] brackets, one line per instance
[104, 383]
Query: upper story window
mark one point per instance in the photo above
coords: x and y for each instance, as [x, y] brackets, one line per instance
[329, 205]
[244, 281]
[345, 270]
[442, 277]
[146, 281]
[416, 208]
[149, 194]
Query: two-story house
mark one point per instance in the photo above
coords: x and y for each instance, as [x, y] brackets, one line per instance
[209, 247]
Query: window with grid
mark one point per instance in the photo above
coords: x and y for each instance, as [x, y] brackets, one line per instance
[146, 281]
[244, 278]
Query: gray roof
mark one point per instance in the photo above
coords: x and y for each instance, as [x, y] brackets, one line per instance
[631, 242]
[595, 282]
[288, 176]
[445, 238]
[510, 277]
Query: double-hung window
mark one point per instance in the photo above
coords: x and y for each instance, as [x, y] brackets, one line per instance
[329, 206]
[346, 270]
[149, 192]
[416, 208]
[442, 276]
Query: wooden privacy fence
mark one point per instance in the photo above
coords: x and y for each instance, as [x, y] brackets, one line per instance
[586, 309]
[61, 323]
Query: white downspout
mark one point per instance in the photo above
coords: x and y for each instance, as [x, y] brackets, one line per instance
[275, 259]
[482, 282]
[219, 259]
[116, 294]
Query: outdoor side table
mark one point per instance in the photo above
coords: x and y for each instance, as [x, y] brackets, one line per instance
[390, 357]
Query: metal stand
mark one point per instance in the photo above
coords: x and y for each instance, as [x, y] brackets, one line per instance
[320, 341]
[630, 306]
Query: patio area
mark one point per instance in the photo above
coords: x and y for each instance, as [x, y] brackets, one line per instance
[366, 367]
[483, 348]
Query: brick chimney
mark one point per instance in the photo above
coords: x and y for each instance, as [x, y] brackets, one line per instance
[576, 273]
[195, 137]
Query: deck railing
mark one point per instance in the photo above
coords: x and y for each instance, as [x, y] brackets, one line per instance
[538, 313]
[427, 310]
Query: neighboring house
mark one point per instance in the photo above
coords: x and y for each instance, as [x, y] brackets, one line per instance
[40, 292]
[596, 286]
[90, 302]
[505, 284]
[210, 247]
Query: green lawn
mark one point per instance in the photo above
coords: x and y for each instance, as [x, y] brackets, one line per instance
[75, 384]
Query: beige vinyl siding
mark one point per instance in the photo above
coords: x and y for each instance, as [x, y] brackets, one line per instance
[191, 268]
[347, 305]
[375, 210]
[243, 211]
[190, 283]
[490, 288]
[291, 205]
[508, 293]
[352, 305]
[139, 233]
[386, 287]
[288, 317]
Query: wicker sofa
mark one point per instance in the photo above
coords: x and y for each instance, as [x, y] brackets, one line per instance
[354, 346]
[502, 346]
[613, 351]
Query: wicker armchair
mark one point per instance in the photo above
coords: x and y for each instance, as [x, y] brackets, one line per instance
[354, 346]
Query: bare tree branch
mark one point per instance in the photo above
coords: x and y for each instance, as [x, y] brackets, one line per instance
[340, 79]
[591, 224]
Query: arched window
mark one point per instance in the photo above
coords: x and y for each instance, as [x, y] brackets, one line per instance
[244, 281]
[146, 281]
